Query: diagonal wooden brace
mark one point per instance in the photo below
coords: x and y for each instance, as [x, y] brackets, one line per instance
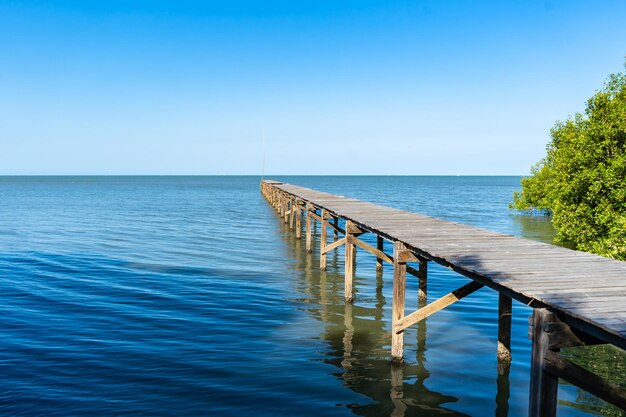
[435, 306]
[333, 245]
[370, 249]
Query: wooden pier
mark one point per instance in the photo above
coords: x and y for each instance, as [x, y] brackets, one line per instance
[578, 298]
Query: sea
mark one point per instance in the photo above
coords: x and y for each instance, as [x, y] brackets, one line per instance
[188, 296]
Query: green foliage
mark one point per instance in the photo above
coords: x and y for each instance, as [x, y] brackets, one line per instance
[582, 180]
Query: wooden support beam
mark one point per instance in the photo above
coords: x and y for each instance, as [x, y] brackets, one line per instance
[307, 213]
[448, 299]
[334, 245]
[380, 247]
[349, 265]
[336, 228]
[382, 255]
[543, 384]
[292, 213]
[504, 333]
[397, 307]
[323, 242]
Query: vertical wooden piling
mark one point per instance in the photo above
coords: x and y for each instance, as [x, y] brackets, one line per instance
[298, 220]
[380, 246]
[323, 241]
[292, 213]
[543, 385]
[308, 227]
[335, 232]
[504, 333]
[422, 291]
[349, 264]
[397, 307]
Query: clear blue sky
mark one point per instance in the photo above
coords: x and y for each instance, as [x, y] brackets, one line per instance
[340, 87]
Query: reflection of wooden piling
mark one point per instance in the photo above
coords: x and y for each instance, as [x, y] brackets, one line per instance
[397, 392]
[397, 306]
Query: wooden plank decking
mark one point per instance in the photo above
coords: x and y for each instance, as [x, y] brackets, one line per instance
[589, 290]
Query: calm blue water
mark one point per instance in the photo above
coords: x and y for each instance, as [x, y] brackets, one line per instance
[188, 296]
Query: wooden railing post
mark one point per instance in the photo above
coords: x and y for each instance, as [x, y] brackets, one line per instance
[543, 385]
[349, 264]
[397, 307]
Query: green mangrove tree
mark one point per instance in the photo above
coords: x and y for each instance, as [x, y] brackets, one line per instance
[581, 182]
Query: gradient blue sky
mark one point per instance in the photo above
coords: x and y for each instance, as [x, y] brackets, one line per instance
[340, 87]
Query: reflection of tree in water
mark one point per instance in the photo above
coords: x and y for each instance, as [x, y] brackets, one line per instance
[537, 227]
[606, 361]
[356, 338]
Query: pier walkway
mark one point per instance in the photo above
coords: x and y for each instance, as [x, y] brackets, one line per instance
[578, 298]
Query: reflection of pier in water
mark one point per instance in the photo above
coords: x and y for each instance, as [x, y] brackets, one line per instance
[355, 336]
